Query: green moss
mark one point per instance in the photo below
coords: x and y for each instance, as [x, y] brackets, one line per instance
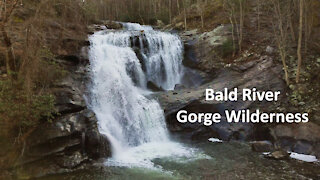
[226, 49]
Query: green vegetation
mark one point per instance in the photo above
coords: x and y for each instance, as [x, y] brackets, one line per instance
[226, 48]
[21, 110]
[33, 34]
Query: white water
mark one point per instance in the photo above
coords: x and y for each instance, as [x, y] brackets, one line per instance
[134, 124]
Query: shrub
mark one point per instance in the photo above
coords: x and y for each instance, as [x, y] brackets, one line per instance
[20, 110]
[226, 48]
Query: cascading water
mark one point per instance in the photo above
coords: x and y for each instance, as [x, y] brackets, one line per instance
[134, 123]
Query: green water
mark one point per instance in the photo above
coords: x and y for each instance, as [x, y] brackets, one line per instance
[231, 160]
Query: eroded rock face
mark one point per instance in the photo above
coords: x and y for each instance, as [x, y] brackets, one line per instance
[206, 51]
[72, 139]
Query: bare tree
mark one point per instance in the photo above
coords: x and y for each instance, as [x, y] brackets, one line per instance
[170, 11]
[240, 38]
[300, 40]
[231, 13]
[200, 10]
[280, 29]
[236, 11]
[6, 10]
[185, 3]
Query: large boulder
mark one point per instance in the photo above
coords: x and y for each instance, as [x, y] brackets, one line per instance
[207, 51]
[67, 143]
[113, 25]
[263, 75]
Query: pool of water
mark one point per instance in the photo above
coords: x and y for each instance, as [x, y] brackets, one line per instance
[230, 160]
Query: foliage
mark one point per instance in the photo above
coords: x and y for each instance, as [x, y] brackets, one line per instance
[21, 110]
[226, 48]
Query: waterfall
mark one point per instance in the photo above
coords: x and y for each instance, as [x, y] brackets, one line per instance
[134, 122]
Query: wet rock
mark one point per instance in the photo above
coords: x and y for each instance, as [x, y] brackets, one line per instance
[153, 87]
[262, 146]
[71, 161]
[97, 145]
[278, 155]
[93, 28]
[113, 25]
[179, 87]
[190, 57]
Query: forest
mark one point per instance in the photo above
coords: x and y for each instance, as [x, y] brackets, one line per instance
[38, 36]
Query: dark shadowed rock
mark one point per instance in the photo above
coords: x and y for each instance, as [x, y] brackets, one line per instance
[190, 57]
[301, 138]
[153, 87]
[70, 58]
[303, 147]
[179, 87]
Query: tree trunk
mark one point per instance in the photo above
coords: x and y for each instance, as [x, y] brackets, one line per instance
[170, 15]
[10, 59]
[299, 42]
[241, 25]
[185, 15]
[285, 68]
[178, 6]
[258, 15]
[233, 38]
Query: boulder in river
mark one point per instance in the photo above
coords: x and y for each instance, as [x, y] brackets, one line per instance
[278, 155]
[113, 25]
[262, 146]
